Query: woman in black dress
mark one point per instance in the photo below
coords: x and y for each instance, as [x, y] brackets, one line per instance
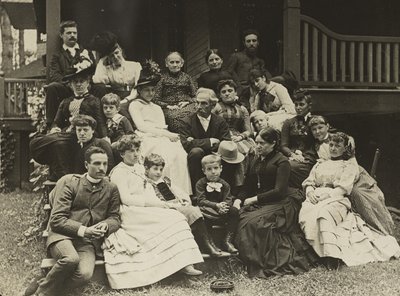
[269, 238]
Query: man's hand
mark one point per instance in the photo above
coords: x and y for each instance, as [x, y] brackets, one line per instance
[250, 201]
[297, 157]
[55, 129]
[237, 203]
[223, 207]
[214, 142]
[96, 231]
[183, 104]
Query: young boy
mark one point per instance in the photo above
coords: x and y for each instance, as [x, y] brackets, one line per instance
[175, 198]
[319, 127]
[117, 124]
[215, 200]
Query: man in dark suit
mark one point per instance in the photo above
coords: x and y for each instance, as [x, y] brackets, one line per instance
[70, 55]
[85, 209]
[202, 132]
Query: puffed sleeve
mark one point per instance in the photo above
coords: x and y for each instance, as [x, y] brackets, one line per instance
[311, 179]
[285, 99]
[100, 75]
[346, 179]
[129, 187]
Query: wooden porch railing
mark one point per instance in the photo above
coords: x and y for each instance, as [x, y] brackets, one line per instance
[329, 59]
[14, 95]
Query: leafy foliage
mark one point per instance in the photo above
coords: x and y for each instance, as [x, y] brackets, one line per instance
[7, 149]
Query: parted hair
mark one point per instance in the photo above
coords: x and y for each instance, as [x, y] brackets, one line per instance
[174, 53]
[153, 159]
[249, 32]
[317, 119]
[209, 159]
[111, 99]
[224, 82]
[271, 135]
[255, 73]
[301, 94]
[127, 142]
[93, 150]
[213, 51]
[84, 120]
[67, 24]
[348, 143]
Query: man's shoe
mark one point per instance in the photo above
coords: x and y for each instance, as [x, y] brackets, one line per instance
[190, 270]
[32, 287]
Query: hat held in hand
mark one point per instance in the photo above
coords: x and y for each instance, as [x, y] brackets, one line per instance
[229, 153]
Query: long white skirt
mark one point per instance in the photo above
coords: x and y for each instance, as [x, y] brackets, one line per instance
[151, 244]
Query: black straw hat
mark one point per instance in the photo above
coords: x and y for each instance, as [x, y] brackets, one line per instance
[72, 73]
[150, 74]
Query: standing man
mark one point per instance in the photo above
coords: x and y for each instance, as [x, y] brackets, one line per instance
[240, 63]
[85, 210]
[202, 132]
[71, 55]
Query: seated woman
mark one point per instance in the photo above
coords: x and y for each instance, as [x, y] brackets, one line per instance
[366, 197]
[269, 238]
[175, 92]
[238, 121]
[331, 228]
[210, 79]
[150, 122]
[297, 142]
[272, 98]
[153, 242]
[113, 70]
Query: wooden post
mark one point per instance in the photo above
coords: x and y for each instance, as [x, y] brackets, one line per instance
[53, 20]
[2, 94]
[291, 36]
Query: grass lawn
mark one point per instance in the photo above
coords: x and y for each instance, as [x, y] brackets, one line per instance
[19, 263]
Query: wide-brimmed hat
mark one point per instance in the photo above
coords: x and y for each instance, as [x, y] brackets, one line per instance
[150, 74]
[229, 153]
[104, 43]
[72, 73]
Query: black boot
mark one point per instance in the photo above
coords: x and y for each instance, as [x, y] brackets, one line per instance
[201, 234]
[227, 243]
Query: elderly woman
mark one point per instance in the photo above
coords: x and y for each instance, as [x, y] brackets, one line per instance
[210, 79]
[269, 239]
[150, 123]
[331, 228]
[175, 92]
[112, 69]
[153, 241]
[272, 98]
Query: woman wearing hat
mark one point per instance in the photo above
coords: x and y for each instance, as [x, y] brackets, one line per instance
[150, 123]
[112, 69]
[269, 238]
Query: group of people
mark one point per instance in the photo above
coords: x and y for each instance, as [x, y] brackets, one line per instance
[238, 149]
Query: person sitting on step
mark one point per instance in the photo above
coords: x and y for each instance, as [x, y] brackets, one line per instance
[214, 198]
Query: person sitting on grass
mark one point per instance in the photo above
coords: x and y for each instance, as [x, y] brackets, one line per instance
[214, 198]
[175, 198]
[85, 210]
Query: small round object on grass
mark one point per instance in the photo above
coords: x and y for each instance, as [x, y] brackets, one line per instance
[221, 286]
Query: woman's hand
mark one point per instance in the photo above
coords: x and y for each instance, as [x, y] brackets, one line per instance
[250, 201]
[237, 203]
[182, 104]
[55, 129]
[173, 137]
[323, 196]
[237, 138]
[312, 197]
[297, 157]
[223, 207]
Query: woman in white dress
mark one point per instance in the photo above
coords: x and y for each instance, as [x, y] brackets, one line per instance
[153, 241]
[150, 123]
[331, 228]
[112, 70]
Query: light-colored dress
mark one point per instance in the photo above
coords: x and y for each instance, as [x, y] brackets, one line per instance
[149, 120]
[125, 76]
[330, 226]
[276, 102]
[152, 242]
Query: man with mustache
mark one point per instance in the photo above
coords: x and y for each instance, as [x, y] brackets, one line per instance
[85, 210]
[240, 63]
[69, 56]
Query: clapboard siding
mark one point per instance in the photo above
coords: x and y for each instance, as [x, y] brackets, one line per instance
[197, 39]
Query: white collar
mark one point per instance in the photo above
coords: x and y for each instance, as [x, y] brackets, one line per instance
[92, 180]
[75, 47]
[307, 115]
[116, 117]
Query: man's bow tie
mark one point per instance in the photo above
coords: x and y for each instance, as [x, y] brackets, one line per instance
[325, 141]
[213, 186]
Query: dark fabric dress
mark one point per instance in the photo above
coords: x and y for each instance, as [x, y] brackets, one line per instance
[296, 136]
[172, 89]
[211, 78]
[269, 238]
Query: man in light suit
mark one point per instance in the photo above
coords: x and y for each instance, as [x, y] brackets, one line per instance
[202, 132]
[85, 209]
